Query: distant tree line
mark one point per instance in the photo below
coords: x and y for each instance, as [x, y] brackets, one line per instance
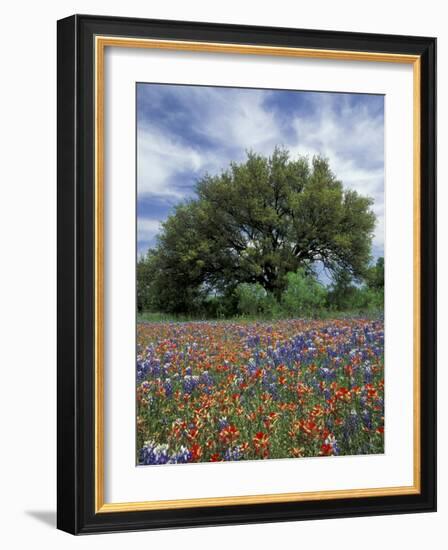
[253, 238]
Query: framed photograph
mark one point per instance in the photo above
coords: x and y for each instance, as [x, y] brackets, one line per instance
[246, 274]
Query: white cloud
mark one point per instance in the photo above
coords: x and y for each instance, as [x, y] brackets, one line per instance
[159, 157]
[240, 120]
[348, 140]
[235, 121]
[147, 229]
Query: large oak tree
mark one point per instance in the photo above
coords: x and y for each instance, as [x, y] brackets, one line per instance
[254, 223]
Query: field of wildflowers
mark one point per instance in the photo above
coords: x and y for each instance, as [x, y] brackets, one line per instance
[225, 390]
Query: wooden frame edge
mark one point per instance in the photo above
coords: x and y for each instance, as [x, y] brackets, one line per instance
[255, 499]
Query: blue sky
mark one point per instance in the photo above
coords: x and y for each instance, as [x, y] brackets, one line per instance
[184, 132]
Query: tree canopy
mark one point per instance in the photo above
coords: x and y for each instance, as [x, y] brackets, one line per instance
[254, 223]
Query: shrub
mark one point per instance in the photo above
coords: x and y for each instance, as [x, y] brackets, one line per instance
[369, 299]
[304, 295]
[253, 299]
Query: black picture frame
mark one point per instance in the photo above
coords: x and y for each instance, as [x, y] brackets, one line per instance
[76, 286]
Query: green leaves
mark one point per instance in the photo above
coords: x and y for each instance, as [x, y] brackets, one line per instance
[254, 223]
[304, 295]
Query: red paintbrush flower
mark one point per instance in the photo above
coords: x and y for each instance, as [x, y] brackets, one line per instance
[196, 452]
[193, 433]
[326, 450]
[229, 434]
[261, 443]
[309, 427]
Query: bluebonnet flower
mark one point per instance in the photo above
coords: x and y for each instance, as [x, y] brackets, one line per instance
[168, 386]
[367, 419]
[273, 390]
[206, 379]
[233, 453]
[368, 373]
[152, 453]
[190, 383]
[182, 456]
[332, 441]
[222, 423]
[351, 424]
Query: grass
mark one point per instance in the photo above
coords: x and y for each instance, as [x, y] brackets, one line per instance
[160, 317]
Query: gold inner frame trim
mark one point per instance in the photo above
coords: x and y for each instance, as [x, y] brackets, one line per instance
[101, 42]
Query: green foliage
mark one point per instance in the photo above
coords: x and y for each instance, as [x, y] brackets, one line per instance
[254, 224]
[343, 295]
[375, 275]
[145, 295]
[220, 306]
[304, 295]
[253, 299]
[368, 299]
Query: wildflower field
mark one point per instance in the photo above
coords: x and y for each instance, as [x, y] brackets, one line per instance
[225, 390]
